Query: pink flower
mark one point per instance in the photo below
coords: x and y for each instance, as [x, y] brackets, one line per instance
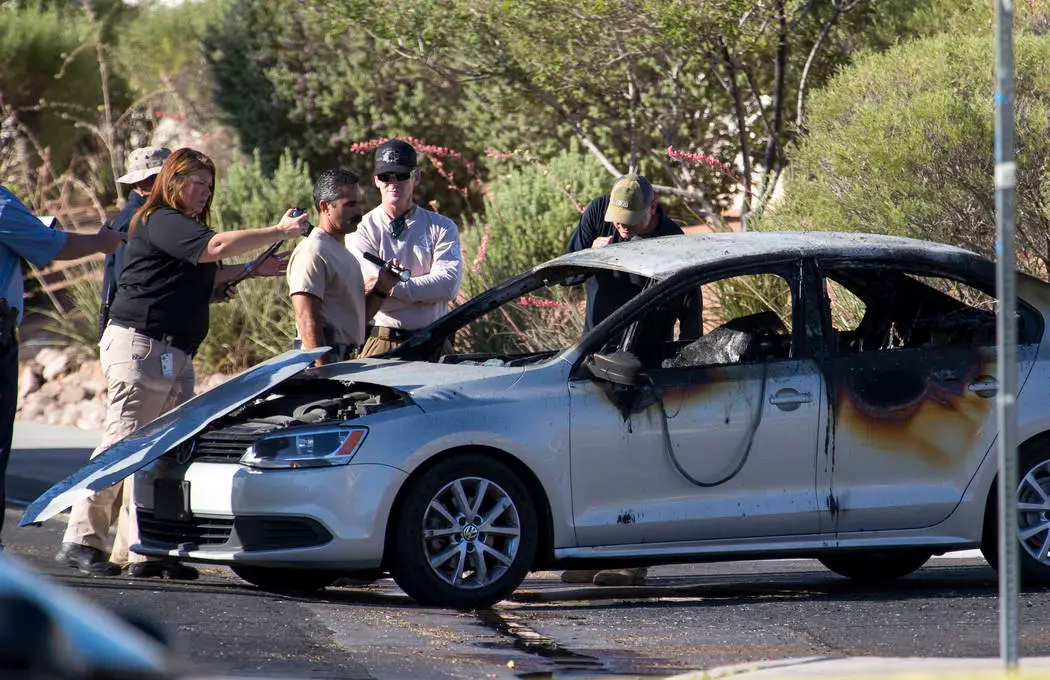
[700, 159]
[482, 247]
[542, 303]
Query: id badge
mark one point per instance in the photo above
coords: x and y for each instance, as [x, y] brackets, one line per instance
[167, 365]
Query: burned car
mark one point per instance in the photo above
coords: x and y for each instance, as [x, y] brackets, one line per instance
[839, 404]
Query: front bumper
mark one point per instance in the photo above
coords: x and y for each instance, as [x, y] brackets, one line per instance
[321, 518]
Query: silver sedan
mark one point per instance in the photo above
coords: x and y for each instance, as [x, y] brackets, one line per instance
[836, 401]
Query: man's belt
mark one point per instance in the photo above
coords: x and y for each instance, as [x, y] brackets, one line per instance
[188, 348]
[393, 334]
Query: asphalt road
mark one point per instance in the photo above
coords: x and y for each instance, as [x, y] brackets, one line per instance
[686, 617]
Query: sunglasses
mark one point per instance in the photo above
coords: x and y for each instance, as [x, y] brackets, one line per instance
[391, 177]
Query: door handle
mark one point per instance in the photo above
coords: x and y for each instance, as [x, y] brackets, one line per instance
[789, 399]
[984, 387]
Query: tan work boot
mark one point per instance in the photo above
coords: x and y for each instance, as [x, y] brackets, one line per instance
[621, 577]
[579, 576]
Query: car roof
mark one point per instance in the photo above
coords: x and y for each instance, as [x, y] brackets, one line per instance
[662, 257]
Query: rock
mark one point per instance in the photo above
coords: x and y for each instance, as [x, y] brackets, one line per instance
[54, 363]
[31, 411]
[67, 416]
[94, 387]
[51, 390]
[72, 394]
[29, 380]
[213, 380]
[90, 370]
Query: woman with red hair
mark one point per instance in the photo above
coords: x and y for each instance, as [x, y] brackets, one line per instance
[157, 320]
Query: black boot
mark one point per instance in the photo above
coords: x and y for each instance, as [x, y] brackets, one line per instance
[88, 560]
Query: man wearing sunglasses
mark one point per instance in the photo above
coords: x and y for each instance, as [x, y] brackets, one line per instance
[422, 241]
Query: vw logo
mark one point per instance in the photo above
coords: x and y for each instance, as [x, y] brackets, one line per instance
[470, 533]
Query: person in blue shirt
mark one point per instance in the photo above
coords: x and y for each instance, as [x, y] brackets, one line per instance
[143, 165]
[23, 236]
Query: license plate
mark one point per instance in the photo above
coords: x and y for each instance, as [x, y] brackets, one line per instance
[171, 500]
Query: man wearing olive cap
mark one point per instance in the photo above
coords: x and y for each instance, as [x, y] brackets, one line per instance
[629, 212]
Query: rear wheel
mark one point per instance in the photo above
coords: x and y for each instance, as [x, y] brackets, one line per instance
[1033, 519]
[883, 565]
[282, 580]
[465, 535]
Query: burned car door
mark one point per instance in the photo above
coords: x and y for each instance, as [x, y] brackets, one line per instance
[718, 439]
[912, 380]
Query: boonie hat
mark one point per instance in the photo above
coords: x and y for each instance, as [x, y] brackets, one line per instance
[629, 200]
[394, 156]
[144, 162]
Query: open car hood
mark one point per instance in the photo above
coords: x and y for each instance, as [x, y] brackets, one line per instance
[150, 442]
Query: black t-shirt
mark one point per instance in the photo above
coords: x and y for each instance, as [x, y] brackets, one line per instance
[607, 291]
[163, 290]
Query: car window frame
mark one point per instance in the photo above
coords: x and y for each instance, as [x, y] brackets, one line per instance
[824, 266]
[791, 268]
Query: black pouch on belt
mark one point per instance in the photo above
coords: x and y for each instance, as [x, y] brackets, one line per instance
[8, 318]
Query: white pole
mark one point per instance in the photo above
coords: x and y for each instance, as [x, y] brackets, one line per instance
[1006, 333]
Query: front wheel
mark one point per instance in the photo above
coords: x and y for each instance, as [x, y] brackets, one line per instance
[1033, 519]
[883, 565]
[282, 580]
[465, 534]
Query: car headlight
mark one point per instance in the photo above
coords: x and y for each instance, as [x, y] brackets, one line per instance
[316, 447]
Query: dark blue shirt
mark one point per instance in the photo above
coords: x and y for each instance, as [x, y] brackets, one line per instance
[607, 291]
[115, 262]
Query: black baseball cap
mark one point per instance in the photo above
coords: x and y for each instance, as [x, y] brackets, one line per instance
[394, 156]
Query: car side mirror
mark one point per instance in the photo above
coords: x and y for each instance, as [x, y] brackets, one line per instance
[619, 368]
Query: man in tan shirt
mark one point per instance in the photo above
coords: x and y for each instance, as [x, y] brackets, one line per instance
[331, 299]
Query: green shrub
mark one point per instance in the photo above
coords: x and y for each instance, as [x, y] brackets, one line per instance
[34, 45]
[76, 323]
[902, 143]
[259, 321]
[530, 213]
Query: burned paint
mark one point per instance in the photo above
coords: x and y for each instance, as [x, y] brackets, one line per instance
[912, 402]
[627, 517]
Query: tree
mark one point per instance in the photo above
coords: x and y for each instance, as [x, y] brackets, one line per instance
[287, 80]
[901, 143]
[630, 79]
[58, 98]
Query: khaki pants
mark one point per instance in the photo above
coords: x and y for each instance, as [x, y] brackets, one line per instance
[138, 393]
[375, 346]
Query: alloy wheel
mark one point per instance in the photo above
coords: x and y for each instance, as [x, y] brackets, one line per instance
[1033, 512]
[471, 532]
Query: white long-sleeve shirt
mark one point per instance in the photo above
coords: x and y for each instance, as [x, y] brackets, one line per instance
[429, 247]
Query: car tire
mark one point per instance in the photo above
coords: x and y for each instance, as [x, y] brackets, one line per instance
[445, 554]
[281, 580]
[883, 565]
[1034, 469]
